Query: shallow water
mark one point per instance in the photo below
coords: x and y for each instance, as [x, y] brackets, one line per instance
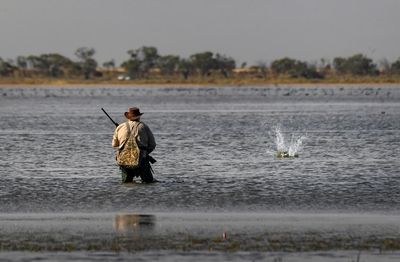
[216, 149]
[221, 187]
[221, 232]
[205, 256]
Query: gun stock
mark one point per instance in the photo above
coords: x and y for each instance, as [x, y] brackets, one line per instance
[151, 159]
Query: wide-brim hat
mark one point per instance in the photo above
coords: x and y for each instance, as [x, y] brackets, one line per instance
[133, 111]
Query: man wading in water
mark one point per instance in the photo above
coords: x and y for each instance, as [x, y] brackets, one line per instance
[135, 142]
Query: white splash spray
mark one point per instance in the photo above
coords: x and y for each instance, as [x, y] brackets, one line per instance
[292, 148]
[279, 140]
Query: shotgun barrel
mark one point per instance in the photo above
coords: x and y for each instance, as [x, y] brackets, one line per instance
[109, 117]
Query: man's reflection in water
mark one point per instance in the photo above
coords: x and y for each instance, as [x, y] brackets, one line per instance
[126, 223]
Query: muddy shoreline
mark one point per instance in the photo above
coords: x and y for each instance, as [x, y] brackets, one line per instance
[224, 232]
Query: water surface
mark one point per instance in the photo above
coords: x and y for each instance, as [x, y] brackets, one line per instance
[221, 188]
[216, 149]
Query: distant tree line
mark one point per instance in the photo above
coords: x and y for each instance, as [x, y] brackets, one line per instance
[51, 65]
[145, 62]
[144, 59]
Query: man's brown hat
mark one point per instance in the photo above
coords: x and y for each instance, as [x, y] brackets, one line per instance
[133, 111]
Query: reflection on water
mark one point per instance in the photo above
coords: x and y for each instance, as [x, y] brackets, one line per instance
[133, 222]
[255, 232]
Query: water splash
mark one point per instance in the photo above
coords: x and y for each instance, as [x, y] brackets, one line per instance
[295, 145]
[290, 149]
[279, 140]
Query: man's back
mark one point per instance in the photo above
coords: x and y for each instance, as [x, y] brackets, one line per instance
[140, 130]
[144, 139]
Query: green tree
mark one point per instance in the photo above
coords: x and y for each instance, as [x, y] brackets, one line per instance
[6, 68]
[37, 63]
[168, 64]
[87, 63]
[56, 64]
[283, 66]
[142, 60]
[395, 67]
[225, 64]
[295, 68]
[186, 68]
[355, 65]
[204, 62]
[132, 67]
[308, 71]
[53, 65]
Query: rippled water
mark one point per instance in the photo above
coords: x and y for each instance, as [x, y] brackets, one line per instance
[216, 149]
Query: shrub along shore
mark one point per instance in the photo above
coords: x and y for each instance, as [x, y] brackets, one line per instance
[146, 66]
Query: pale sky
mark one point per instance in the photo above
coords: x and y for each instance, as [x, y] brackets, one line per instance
[247, 30]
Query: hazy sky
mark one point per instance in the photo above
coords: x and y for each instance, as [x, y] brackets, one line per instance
[248, 30]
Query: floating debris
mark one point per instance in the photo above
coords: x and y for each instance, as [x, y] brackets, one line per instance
[285, 154]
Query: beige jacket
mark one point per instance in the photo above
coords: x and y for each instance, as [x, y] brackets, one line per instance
[141, 131]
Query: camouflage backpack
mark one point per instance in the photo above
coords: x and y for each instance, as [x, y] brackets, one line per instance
[128, 155]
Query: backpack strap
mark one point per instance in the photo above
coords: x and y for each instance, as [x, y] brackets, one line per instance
[127, 137]
[128, 128]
